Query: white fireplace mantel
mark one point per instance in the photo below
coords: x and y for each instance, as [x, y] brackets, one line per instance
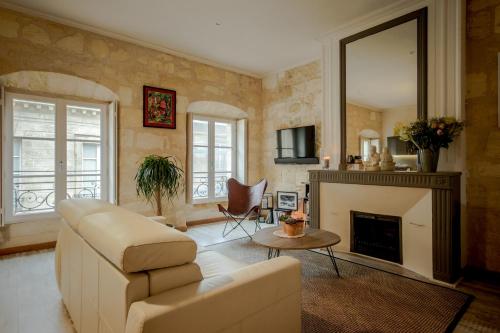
[429, 204]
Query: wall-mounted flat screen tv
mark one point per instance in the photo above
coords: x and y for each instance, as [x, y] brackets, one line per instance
[297, 145]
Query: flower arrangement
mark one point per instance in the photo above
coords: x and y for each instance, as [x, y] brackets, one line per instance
[429, 136]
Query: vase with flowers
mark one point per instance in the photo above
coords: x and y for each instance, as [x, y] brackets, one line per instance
[427, 137]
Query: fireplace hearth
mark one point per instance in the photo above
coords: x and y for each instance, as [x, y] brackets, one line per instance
[377, 236]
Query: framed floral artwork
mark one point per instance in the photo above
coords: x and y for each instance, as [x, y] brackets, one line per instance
[158, 107]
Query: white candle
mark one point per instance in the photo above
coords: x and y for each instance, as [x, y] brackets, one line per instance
[326, 162]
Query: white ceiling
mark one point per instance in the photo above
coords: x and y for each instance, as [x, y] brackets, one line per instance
[254, 36]
[381, 70]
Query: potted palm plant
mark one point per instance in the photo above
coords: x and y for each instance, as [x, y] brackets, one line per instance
[158, 177]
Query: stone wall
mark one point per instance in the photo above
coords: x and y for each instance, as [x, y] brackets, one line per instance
[359, 118]
[35, 44]
[290, 98]
[483, 134]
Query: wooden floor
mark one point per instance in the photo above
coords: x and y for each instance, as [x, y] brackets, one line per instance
[208, 234]
[30, 301]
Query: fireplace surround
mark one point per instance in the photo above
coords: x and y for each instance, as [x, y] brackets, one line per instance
[443, 210]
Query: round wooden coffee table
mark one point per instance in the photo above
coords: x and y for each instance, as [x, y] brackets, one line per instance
[313, 239]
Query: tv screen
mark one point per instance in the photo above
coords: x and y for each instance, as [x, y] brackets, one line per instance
[299, 142]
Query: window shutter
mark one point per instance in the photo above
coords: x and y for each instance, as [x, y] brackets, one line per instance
[189, 159]
[241, 150]
[113, 152]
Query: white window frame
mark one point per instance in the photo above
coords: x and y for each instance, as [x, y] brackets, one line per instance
[60, 166]
[211, 157]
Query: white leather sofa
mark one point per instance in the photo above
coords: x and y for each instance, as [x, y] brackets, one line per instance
[119, 271]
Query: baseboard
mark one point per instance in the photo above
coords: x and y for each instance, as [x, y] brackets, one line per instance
[476, 273]
[27, 248]
[205, 221]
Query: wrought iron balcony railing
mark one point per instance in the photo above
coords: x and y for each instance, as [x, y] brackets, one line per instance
[201, 181]
[34, 191]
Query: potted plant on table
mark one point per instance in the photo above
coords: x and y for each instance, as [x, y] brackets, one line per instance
[428, 136]
[158, 177]
[292, 226]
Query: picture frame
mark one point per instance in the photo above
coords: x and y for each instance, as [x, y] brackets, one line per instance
[287, 200]
[267, 201]
[159, 107]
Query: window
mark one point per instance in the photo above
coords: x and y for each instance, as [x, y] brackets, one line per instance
[214, 157]
[58, 148]
[366, 143]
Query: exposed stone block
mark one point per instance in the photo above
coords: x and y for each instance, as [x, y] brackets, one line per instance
[477, 84]
[8, 28]
[36, 35]
[99, 48]
[72, 43]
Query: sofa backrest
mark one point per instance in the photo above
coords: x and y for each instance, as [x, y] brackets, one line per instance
[132, 242]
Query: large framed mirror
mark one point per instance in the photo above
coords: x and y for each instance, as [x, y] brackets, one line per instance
[383, 84]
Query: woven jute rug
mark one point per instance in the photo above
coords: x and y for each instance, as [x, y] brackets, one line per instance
[363, 299]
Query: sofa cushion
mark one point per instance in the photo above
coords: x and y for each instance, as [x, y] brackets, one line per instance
[74, 210]
[213, 263]
[134, 243]
[168, 278]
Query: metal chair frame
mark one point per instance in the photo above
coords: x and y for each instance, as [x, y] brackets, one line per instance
[244, 203]
[230, 219]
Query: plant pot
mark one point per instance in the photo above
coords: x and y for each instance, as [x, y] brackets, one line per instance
[427, 160]
[293, 229]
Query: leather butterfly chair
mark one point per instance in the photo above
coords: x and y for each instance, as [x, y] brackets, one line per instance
[243, 203]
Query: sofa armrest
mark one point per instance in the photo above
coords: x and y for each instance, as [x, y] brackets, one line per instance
[261, 296]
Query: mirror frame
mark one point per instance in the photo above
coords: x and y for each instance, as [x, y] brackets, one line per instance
[421, 17]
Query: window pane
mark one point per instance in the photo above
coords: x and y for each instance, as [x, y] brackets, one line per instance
[223, 158]
[33, 180]
[200, 185]
[16, 155]
[200, 159]
[200, 132]
[83, 157]
[33, 151]
[220, 185]
[83, 123]
[89, 150]
[223, 134]
[90, 165]
[34, 119]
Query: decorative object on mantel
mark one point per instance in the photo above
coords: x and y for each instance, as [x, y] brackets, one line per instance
[386, 162]
[326, 162]
[158, 177]
[373, 163]
[428, 137]
[158, 107]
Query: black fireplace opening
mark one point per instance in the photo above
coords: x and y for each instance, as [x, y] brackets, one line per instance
[377, 236]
